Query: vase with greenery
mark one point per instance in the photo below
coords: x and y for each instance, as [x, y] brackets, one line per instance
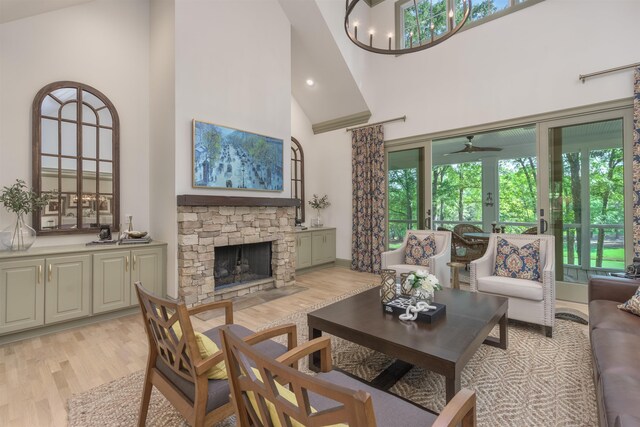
[318, 203]
[20, 200]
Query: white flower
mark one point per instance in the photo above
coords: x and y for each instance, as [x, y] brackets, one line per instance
[422, 273]
[411, 277]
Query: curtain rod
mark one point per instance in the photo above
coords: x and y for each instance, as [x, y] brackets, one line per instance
[583, 77]
[397, 119]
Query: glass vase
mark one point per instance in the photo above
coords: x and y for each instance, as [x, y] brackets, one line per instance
[18, 236]
[421, 294]
[317, 221]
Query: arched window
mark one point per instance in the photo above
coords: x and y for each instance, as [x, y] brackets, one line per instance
[75, 156]
[297, 177]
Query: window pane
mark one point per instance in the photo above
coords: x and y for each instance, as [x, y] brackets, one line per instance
[606, 203]
[49, 174]
[69, 139]
[89, 216]
[89, 176]
[49, 135]
[89, 137]
[49, 107]
[88, 116]
[105, 117]
[572, 209]
[517, 189]
[91, 99]
[106, 144]
[106, 177]
[69, 175]
[404, 187]
[482, 9]
[69, 111]
[65, 94]
[457, 191]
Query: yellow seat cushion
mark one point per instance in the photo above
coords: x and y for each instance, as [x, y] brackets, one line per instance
[206, 348]
[273, 414]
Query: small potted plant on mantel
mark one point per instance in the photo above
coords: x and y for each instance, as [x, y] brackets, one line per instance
[21, 200]
[318, 203]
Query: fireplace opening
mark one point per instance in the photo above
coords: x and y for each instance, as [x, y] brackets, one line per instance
[238, 264]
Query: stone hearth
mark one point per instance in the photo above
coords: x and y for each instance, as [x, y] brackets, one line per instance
[201, 228]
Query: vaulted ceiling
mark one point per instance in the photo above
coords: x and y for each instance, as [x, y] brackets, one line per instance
[10, 10]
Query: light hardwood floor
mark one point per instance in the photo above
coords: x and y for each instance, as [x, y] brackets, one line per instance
[38, 375]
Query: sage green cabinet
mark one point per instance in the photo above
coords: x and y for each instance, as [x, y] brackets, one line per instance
[111, 281]
[68, 288]
[303, 252]
[315, 247]
[147, 267]
[21, 294]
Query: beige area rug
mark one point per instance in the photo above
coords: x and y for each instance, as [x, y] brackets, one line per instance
[538, 381]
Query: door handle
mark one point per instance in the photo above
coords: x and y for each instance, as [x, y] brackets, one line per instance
[39, 274]
[427, 220]
[544, 226]
[50, 272]
[126, 263]
[134, 261]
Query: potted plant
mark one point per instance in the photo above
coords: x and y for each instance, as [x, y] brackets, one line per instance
[21, 200]
[422, 285]
[318, 203]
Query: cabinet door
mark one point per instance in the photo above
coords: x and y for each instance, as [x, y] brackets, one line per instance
[21, 295]
[68, 288]
[329, 246]
[147, 267]
[317, 247]
[303, 256]
[111, 281]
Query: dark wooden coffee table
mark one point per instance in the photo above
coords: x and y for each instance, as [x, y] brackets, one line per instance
[443, 347]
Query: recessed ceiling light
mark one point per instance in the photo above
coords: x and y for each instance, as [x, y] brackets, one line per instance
[310, 82]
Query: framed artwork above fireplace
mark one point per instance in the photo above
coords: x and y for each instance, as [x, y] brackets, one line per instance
[229, 158]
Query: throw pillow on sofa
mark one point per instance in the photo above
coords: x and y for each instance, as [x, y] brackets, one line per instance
[518, 263]
[633, 305]
[418, 252]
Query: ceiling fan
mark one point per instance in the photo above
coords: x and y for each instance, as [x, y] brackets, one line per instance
[470, 148]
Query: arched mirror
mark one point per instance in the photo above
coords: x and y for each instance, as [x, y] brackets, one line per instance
[75, 156]
[297, 177]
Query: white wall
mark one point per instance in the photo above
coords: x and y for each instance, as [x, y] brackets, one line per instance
[327, 170]
[524, 63]
[233, 68]
[162, 173]
[104, 44]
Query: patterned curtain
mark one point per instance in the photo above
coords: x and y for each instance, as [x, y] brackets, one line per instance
[369, 197]
[636, 162]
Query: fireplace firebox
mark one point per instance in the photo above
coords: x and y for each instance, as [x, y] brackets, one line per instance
[237, 264]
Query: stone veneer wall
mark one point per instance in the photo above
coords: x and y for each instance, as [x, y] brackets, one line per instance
[201, 228]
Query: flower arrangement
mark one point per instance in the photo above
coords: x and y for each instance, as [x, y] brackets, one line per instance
[319, 202]
[421, 279]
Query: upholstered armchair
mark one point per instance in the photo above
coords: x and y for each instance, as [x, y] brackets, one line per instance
[530, 301]
[395, 259]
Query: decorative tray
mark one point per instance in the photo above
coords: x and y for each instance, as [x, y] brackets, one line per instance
[399, 306]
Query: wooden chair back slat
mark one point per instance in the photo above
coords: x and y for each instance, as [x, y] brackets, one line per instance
[161, 317]
[351, 407]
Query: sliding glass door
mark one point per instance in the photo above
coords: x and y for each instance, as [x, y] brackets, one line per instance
[584, 199]
[405, 193]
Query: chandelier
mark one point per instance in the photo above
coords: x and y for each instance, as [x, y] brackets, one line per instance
[427, 30]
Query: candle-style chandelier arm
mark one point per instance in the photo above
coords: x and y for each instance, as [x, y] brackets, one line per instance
[352, 31]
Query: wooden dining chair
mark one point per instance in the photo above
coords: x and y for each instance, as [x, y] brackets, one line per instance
[269, 391]
[176, 367]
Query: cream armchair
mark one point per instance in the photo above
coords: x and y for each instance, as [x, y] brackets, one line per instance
[437, 263]
[529, 300]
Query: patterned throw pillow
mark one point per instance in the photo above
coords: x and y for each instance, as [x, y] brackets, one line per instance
[418, 252]
[633, 305]
[519, 263]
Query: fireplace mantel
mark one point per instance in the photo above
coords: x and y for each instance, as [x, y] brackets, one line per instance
[204, 200]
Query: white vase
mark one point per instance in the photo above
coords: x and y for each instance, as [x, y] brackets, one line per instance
[19, 236]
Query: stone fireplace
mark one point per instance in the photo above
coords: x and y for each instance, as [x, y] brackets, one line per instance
[228, 228]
